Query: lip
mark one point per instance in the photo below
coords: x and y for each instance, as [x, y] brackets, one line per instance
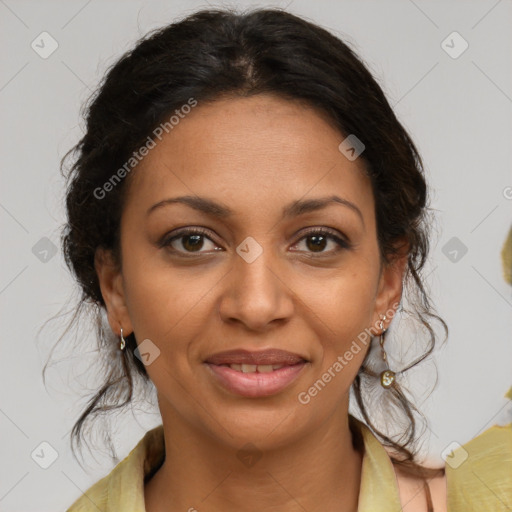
[254, 385]
[268, 356]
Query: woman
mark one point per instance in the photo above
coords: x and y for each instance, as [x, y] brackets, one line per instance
[250, 214]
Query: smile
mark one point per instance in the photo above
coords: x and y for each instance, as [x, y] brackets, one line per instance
[252, 368]
[255, 381]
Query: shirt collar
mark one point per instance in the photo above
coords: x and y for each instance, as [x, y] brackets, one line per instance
[379, 487]
[378, 491]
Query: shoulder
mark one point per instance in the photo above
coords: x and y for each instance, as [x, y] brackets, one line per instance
[477, 476]
[95, 498]
[479, 473]
[123, 487]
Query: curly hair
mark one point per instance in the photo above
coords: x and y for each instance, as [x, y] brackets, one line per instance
[214, 53]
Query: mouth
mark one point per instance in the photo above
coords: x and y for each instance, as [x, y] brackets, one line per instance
[255, 374]
[254, 368]
[269, 357]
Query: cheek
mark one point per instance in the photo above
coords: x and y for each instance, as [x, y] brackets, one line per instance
[160, 303]
[167, 305]
[171, 314]
[341, 315]
[156, 294]
[344, 301]
[343, 311]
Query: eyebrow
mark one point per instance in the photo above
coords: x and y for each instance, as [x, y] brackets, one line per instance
[294, 209]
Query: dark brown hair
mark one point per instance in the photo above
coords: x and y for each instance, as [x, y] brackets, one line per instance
[215, 53]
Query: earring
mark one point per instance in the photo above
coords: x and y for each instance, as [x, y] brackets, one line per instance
[387, 377]
[122, 343]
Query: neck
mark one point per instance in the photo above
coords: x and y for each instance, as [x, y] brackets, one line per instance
[321, 471]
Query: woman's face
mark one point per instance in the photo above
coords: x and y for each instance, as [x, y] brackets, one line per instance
[260, 175]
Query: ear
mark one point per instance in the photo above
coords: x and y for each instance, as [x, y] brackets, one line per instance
[112, 289]
[390, 286]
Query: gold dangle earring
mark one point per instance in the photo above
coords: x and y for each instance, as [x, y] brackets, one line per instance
[122, 343]
[387, 377]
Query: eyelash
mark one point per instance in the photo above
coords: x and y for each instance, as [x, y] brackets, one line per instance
[342, 243]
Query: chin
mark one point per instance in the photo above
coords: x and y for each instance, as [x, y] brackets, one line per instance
[266, 428]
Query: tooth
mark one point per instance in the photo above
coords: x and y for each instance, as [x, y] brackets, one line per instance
[277, 366]
[248, 368]
[265, 368]
[237, 367]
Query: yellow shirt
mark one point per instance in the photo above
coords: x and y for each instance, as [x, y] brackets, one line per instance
[478, 478]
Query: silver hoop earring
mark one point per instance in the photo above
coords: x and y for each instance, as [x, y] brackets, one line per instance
[122, 343]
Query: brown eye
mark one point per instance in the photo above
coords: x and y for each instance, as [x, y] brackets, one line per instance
[316, 241]
[192, 242]
[188, 242]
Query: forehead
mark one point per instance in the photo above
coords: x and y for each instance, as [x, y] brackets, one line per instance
[249, 151]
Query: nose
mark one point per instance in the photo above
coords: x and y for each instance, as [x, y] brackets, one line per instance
[256, 294]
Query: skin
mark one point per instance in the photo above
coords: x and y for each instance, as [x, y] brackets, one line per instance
[254, 155]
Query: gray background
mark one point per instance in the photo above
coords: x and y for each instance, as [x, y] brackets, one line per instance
[458, 111]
